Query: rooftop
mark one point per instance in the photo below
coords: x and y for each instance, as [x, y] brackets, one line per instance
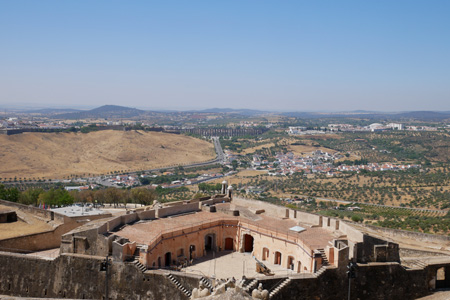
[78, 211]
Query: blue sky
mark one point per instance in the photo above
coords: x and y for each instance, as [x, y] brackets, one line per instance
[271, 55]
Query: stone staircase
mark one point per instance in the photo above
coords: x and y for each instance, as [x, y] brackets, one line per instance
[179, 286]
[325, 261]
[207, 283]
[252, 284]
[320, 271]
[139, 265]
[279, 287]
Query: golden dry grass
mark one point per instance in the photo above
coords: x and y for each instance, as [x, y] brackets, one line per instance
[57, 155]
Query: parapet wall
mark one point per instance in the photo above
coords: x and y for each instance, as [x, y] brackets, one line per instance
[175, 210]
[79, 277]
[42, 213]
[279, 211]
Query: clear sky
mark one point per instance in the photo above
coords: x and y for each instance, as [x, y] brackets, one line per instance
[274, 55]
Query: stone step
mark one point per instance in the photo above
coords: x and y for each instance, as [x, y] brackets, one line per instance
[179, 285]
[325, 261]
[251, 285]
[276, 290]
[140, 266]
[207, 283]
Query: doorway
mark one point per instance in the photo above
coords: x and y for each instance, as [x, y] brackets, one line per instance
[290, 263]
[248, 243]
[229, 244]
[209, 242]
[168, 259]
[265, 254]
[277, 258]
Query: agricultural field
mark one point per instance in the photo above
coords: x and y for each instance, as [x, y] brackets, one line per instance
[422, 220]
[408, 146]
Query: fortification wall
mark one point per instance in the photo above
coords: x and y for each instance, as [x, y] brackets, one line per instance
[174, 210]
[79, 277]
[147, 215]
[42, 213]
[270, 209]
[37, 241]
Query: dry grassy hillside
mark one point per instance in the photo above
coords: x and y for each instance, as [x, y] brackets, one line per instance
[58, 155]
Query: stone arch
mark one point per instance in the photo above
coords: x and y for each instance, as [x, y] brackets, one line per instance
[277, 258]
[210, 242]
[442, 278]
[290, 262]
[248, 242]
[265, 253]
[167, 259]
[191, 252]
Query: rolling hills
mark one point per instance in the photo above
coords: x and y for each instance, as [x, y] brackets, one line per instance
[58, 155]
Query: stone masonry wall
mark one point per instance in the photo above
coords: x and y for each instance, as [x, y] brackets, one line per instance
[79, 277]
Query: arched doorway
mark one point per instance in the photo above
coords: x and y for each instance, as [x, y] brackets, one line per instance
[265, 254]
[210, 243]
[191, 252]
[442, 278]
[290, 262]
[229, 244]
[248, 243]
[167, 259]
[277, 258]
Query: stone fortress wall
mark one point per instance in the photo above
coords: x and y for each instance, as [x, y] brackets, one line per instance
[76, 272]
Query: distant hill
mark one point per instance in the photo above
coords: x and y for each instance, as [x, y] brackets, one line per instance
[103, 112]
[424, 115]
[412, 115]
[57, 155]
[52, 111]
[245, 112]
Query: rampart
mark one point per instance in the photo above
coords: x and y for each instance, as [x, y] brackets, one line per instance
[79, 277]
[76, 272]
[47, 239]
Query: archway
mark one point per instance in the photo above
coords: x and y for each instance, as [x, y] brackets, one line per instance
[442, 278]
[229, 244]
[265, 254]
[290, 262]
[277, 258]
[191, 252]
[248, 243]
[210, 242]
[167, 259]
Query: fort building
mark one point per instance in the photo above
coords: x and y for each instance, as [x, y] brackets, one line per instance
[166, 251]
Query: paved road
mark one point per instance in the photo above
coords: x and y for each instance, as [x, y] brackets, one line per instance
[220, 158]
